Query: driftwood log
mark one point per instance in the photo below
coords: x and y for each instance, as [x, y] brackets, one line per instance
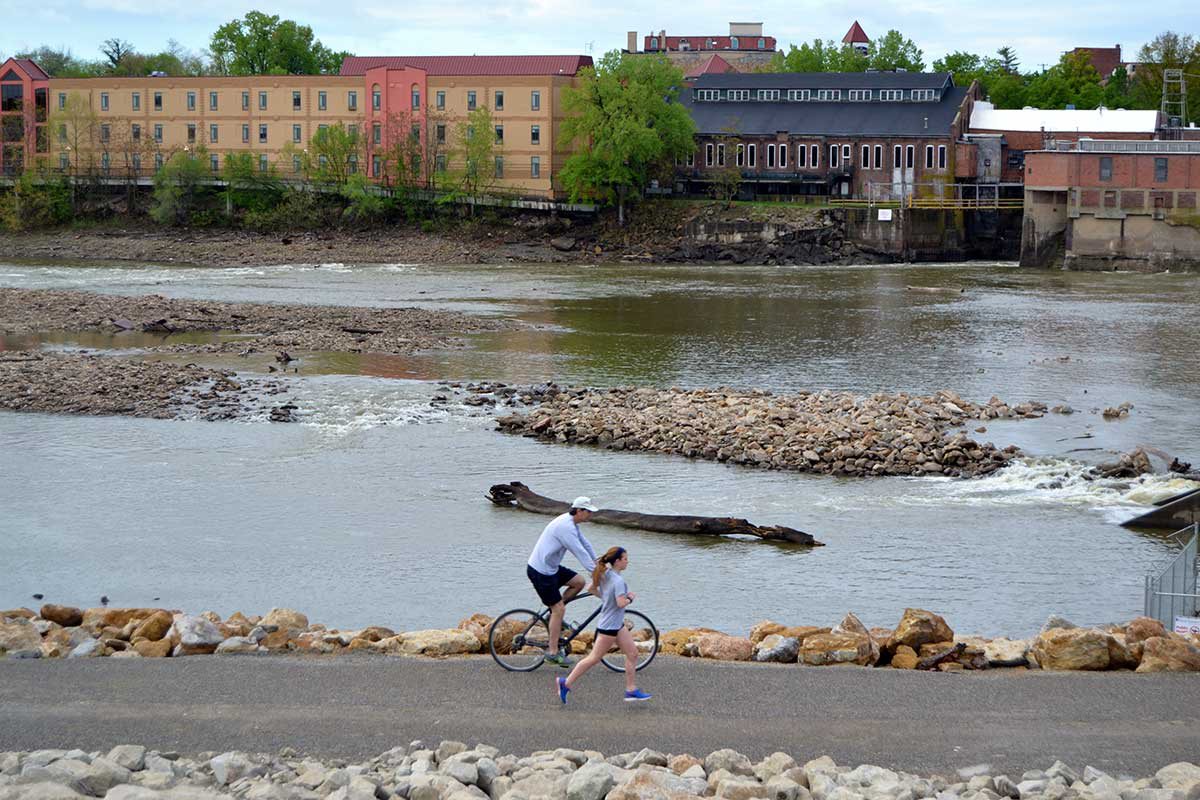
[521, 496]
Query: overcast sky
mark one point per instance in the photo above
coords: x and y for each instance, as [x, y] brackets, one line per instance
[1039, 30]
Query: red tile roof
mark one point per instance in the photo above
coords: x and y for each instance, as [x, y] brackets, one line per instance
[471, 65]
[856, 35]
[29, 67]
[714, 64]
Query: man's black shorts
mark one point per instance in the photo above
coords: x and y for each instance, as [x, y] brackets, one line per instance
[547, 586]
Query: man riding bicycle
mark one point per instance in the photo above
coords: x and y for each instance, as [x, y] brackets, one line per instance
[547, 574]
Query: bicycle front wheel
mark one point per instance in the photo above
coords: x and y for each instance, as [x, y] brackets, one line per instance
[518, 640]
[645, 635]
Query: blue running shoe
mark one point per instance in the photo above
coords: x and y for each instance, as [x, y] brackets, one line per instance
[635, 696]
[563, 689]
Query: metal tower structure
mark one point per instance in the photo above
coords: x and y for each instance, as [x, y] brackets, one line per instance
[1174, 97]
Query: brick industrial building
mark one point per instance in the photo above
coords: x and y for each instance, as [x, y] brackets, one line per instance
[744, 49]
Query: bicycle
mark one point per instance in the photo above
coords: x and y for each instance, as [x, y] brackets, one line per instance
[518, 638]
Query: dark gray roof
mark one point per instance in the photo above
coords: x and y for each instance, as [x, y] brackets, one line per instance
[824, 80]
[827, 119]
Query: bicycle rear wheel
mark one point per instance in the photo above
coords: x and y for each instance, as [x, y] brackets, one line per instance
[646, 637]
[518, 640]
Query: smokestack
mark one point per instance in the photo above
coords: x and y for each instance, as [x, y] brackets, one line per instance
[631, 44]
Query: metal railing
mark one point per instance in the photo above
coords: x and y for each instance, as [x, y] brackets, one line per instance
[1133, 146]
[1173, 591]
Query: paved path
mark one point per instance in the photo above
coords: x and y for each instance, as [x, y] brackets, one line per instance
[360, 706]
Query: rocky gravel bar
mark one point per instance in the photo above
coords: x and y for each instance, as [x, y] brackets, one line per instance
[262, 326]
[921, 640]
[451, 770]
[70, 383]
[834, 433]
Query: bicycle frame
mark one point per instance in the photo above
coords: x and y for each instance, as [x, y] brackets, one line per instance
[566, 642]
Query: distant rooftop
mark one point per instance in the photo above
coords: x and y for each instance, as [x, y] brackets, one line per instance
[986, 117]
[471, 65]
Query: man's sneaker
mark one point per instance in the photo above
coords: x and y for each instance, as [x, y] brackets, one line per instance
[563, 689]
[635, 696]
[559, 659]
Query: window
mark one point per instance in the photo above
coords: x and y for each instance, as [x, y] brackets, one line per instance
[245, 133]
[741, 155]
[708, 155]
[535, 167]
[814, 153]
[684, 44]
[1160, 170]
[470, 132]
[771, 156]
[535, 100]
[799, 95]
[298, 134]
[64, 162]
[928, 156]
[896, 157]
[322, 161]
[471, 100]
[829, 94]
[322, 101]
[499, 166]
[245, 101]
[352, 101]
[158, 133]
[708, 95]
[105, 133]
[720, 155]
[846, 155]
[376, 98]
[416, 98]
[376, 134]
[158, 101]
[135, 132]
[262, 134]
[415, 132]
[768, 94]
[535, 134]
[214, 162]
[263, 163]
[802, 156]
[191, 101]
[262, 101]
[295, 163]
[191, 133]
[136, 98]
[499, 134]
[909, 157]
[891, 95]
[878, 157]
[137, 162]
[295, 101]
[374, 166]
[441, 101]
[1106, 168]
[751, 157]
[158, 161]
[103, 102]
[833, 156]
[733, 43]
[62, 100]
[924, 94]
[62, 133]
[352, 163]
[737, 95]
[859, 95]
[941, 156]
[212, 134]
[653, 43]
[441, 133]
[104, 164]
[866, 157]
[762, 44]
[499, 102]
[439, 163]
[783, 151]
[212, 101]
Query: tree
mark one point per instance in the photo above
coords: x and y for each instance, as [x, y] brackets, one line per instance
[892, 51]
[332, 156]
[261, 44]
[179, 186]
[1072, 81]
[1008, 59]
[247, 186]
[115, 51]
[76, 125]
[726, 177]
[625, 118]
[475, 153]
[1168, 50]
[964, 66]
[61, 64]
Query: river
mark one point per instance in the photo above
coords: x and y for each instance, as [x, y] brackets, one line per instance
[371, 510]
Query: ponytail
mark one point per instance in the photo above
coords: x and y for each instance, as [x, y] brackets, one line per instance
[602, 566]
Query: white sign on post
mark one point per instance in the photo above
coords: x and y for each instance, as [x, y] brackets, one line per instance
[885, 215]
[1186, 625]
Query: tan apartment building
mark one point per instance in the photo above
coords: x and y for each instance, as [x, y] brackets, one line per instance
[131, 126]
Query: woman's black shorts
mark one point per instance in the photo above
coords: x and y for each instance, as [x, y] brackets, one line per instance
[608, 631]
[547, 586]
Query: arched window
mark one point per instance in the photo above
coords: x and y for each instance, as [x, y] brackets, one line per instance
[762, 43]
[376, 98]
[416, 97]
[733, 43]
[653, 42]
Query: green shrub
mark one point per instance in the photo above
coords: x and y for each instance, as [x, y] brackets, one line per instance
[296, 210]
[179, 187]
[36, 202]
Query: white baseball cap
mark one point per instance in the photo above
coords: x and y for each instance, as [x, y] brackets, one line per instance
[584, 503]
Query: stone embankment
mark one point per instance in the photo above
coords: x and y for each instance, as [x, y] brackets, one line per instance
[455, 771]
[62, 383]
[836, 433]
[253, 326]
[921, 640]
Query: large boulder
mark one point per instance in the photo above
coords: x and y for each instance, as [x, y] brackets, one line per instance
[148, 649]
[722, 647]
[1181, 775]
[1169, 654]
[853, 626]
[1140, 629]
[1071, 649]
[196, 635]
[285, 619]
[97, 618]
[67, 616]
[917, 627]
[448, 642]
[1120, 654]
[592, 781]
[1006, 652]
[781, 649]
[19, 634]
[674, 642]
[835, 648]
[478, 624]
[904, 657]
[153, 627]
[729, 760]
[798, 632]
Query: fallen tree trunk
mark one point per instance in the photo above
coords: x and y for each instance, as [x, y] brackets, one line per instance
[521, 496]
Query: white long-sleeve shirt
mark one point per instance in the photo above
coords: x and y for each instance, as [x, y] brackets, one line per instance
[561, 535]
